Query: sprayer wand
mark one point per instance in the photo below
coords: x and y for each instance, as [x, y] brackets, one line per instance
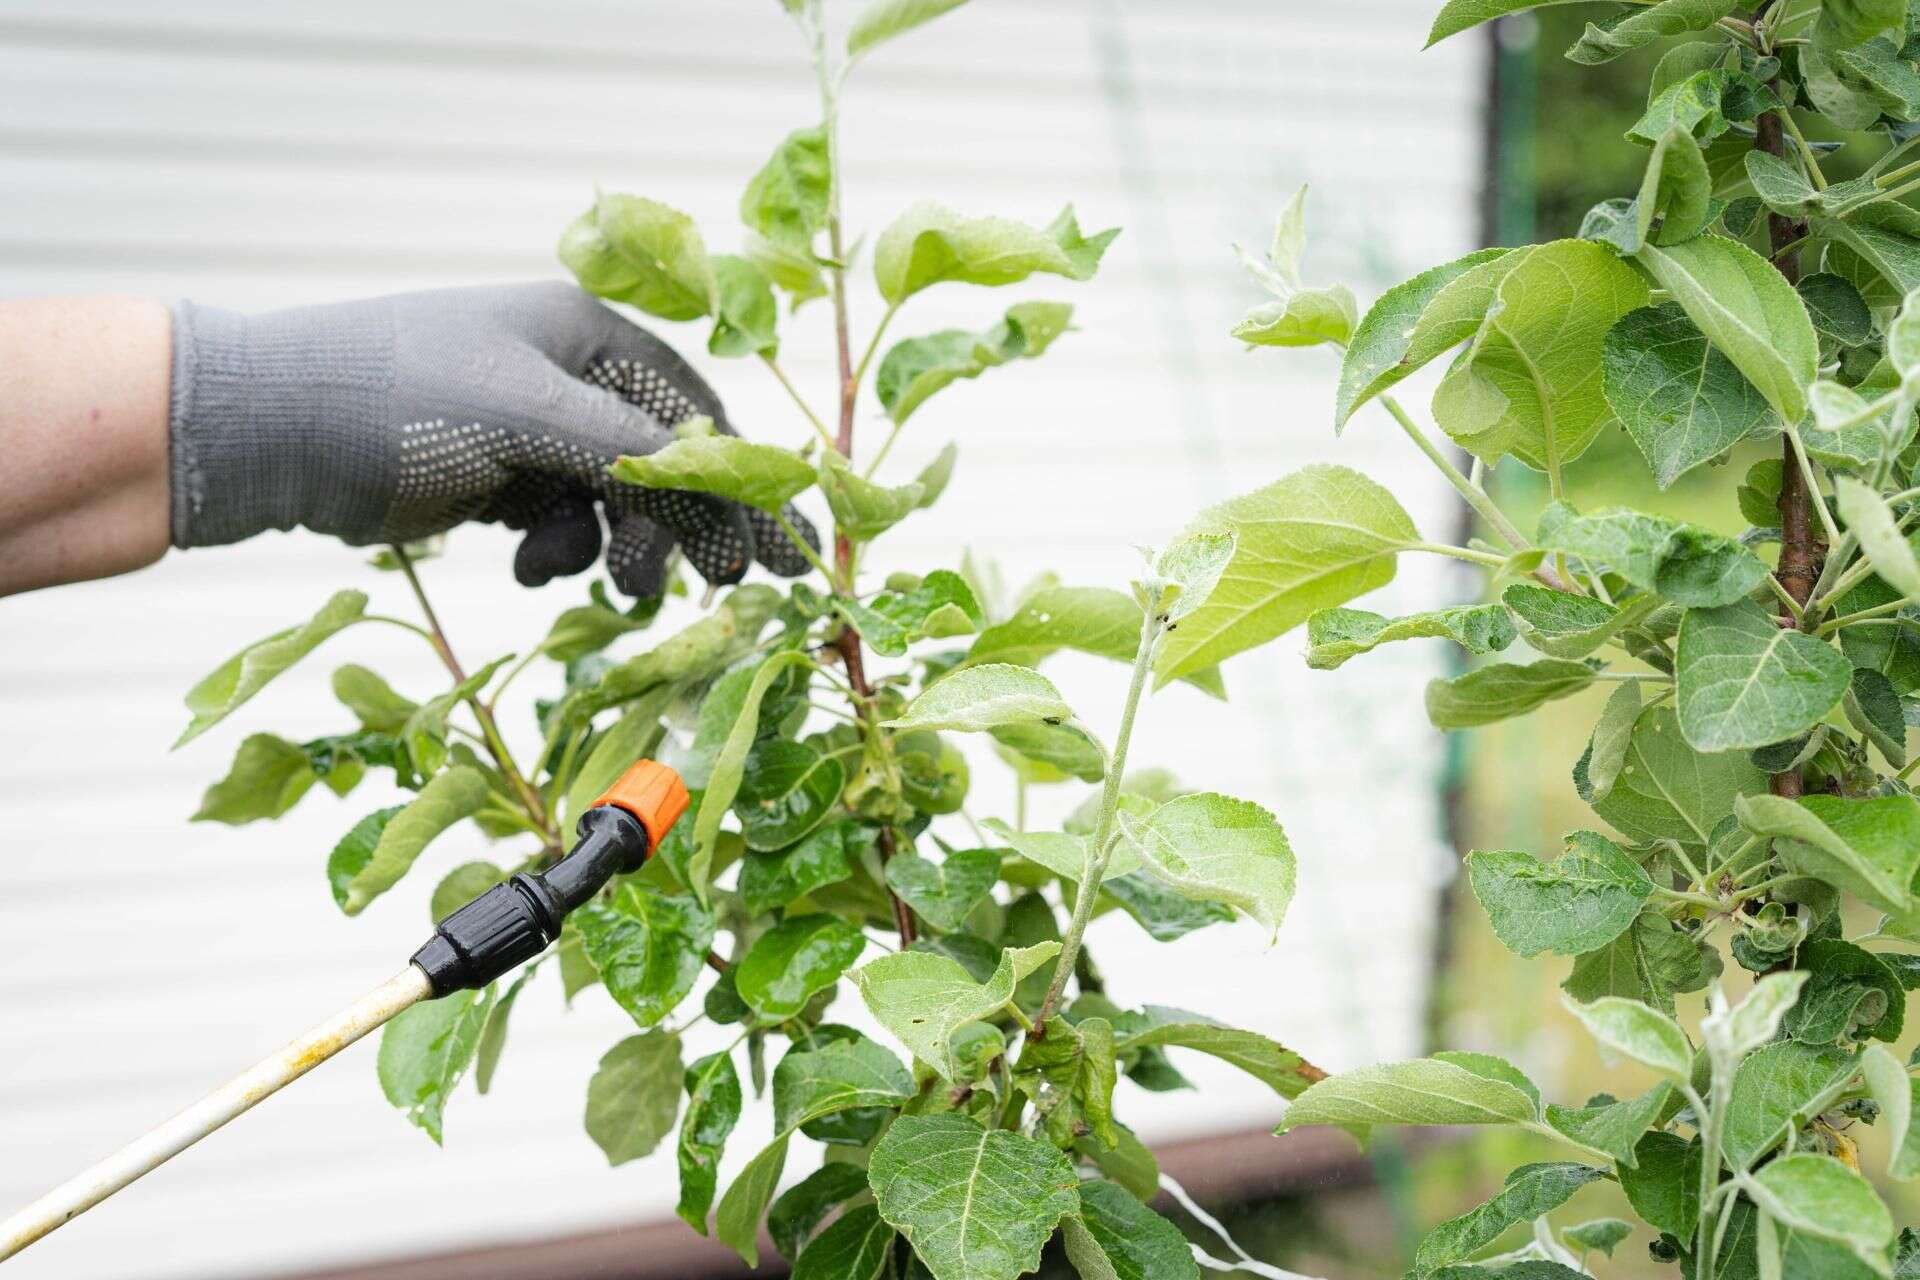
[504, 927]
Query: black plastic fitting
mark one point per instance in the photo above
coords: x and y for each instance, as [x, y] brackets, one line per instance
[513, 922]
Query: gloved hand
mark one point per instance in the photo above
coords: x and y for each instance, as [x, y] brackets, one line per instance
[390, 419]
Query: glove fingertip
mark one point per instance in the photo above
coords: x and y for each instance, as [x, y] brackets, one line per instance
[637, 558]
[565, 542]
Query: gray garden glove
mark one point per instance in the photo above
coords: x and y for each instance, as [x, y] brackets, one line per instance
[394, 418]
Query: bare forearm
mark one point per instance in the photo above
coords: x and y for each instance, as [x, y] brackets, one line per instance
[83, 432]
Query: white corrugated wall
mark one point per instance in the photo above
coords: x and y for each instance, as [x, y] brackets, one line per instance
[254, 155]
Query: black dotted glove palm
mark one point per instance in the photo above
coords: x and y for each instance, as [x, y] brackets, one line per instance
[391, 419]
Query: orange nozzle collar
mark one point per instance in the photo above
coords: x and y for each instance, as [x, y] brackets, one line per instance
[652, 793]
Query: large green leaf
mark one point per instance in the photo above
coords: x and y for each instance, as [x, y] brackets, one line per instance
[1848, 22]
[248, 671]
[975, 1203]
[944, 893]
[1459, 15]
[1503, 690]
[1335, 635]
[1869, 847]
[634, 1096]
[713, 1108]
[1217, 849]
[1662, 1183]
[1683, 402]
[426, 1050]
[1115, 1237]
[1824, 1198]
[268, 776]
[1158, 1026]
[882, 20]
[1584, 899]
[1414, 322]
[856, 1247]
[1668, 791]
[736, 1221]
[643, 253]
[1851, 995]
[1651, 961]
[828, 856]
[1531, 1191]
[1683, 563]
[1747, 310]
[980, 699]
[802, 1206]
[1530, 384]
[1639, 27]
[648, 946]
[930, 243]
[923, 999]
[1309, 541]
[453, 795]
[788, 790]
[1893, 1090]
[759, 475]
[786, 965]
[810, 1085]
[1743, 681]
[1443, 1090]
[915, 369]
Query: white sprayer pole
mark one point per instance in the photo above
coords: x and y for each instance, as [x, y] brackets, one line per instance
[145, 1154]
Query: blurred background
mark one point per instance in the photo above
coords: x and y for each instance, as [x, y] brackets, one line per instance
[258, 155]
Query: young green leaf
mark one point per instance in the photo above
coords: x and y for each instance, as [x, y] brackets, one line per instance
[1309, 541]
[1603, 1234]
[1612, 1127]
[1414, 322]
[1633, 1030]
[729, 766]
[1612, 739]
[451, 796]
[923, 999]
[929, 244]
[1869, 518]
[1732, 1034]
[1115, 1237]
[1442, 1090]
[975, 1203]
[371, 699]
[1869, 847]
[940, 607]
[1531, 1191]
[915, 369]
[1459, 15]
[648, 946]
[944, 893]
[634, 1096]
[1890, 1086]
[1682, 563]
[882, 20]
[1852, 995]
[1096, 620]
[1299, 316]
[1158, 1026]
[804, 1205]
[493, 1032]
[746, 318]
[759, 475]
[1743, 681]
[1336, 635]
[1187, 570]
[1822, 1197]
[1668, 791]
[1064, 854]
[813, 1084]
[1583, 900]
[250, 670]
[862, 509]
[425, 732]
[426, 1050]
[1217, 849]
[796, 958]
[786, 202]
[1503, 690]
[736, 1221]
[268, 776]
[980, 699]
[1051, 752]
[1639, 27]
[856, 1247]
[643, 253]
[1683, 402]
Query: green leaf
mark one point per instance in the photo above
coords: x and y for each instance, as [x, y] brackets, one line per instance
[862, 509]
[634, 1096]
[828, 856]
[1886, 548]
[1743, 681]
[1869, 847]
[882, 20]
[1096, 620]
[855, 1247]
[1852, 995]
[648, 946]
[1857, 21]
[1115, 1237]
[1652, 961]
[1583, 900]
[462, 885]
[248, 671]
[1662, 1184]
[1563, 625]
[736, 1221]
[371, 699]
[1459, 15]
[940, 607]
[1299, 316]
[1668, 791]
[786, 201]
[1456, 1089]
[1531, 1191]
[1062, 751]
[493, 1032]
[746, 319]
[1309, 541]
[1639, 27]
[1414, 322]
[1612, 738]
[453, 795]
[1064, 854]
[268, 776]
[1633, 1030]
[1335, 635]
[842, 1076]
[923, 999]
[915, 369]
[425, 732]
[1835, 306]
[579, 631]
[1158, 1026]
[1747, 310]
[1529, 385]
[975, 1204]
[1217, 849]
[1730, 1036]
[1682, 563]
[1682, 401]
[788, 790]
[802, 1206]
[1891, 1087]
[1876, 249]
[643, 253]
[759, 475]
[796, 958]
[426, 1050]
[1822, 1197]
[1612, 1127]
[355, 850]
[729, 767]
[983, 698]
[1604, 1234]
[944, 893]
[1503, 690]
[1706, 104]
[930, 243]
